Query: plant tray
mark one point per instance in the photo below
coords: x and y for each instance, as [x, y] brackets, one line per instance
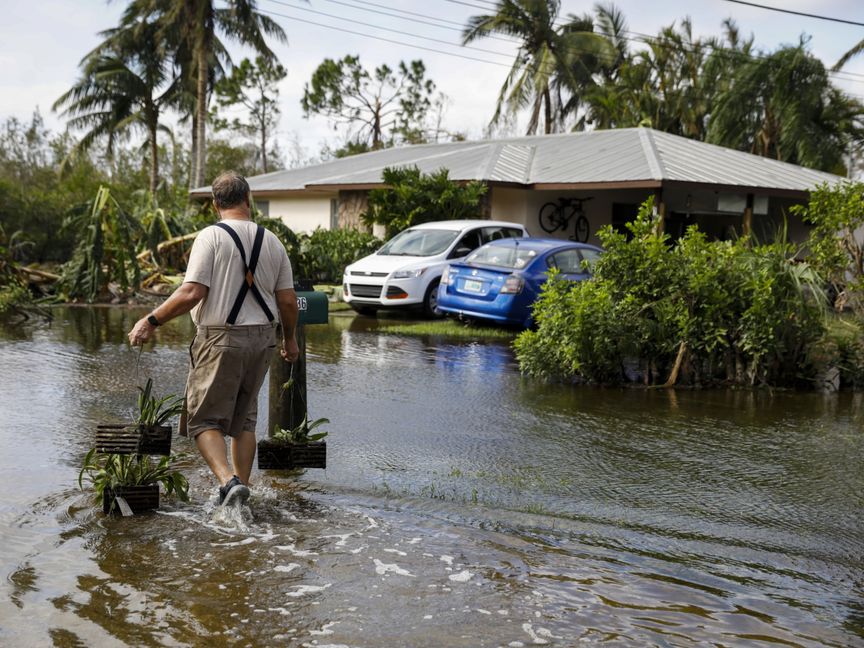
[133, 439]
[289, 456]
[139, 498]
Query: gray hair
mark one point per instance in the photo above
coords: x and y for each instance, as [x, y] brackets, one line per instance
[229, 190]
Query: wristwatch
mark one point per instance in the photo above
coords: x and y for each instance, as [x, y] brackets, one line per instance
[152, 319]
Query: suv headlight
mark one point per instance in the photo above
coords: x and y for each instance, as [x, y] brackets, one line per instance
[408, 274]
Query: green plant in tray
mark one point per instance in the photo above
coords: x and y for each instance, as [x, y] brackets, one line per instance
[122, 470]
[154, 411]
[301, 433]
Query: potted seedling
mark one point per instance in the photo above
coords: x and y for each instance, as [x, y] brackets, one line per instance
[298, 447]
[148, 434]
[129, 483]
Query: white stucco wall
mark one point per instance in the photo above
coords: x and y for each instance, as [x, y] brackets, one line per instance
[523, 206]
[302, 213]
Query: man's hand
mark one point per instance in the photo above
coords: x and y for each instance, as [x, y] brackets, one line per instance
[141, 332]
[290, 351]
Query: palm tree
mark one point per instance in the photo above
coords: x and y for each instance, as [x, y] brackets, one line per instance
[126, 83]
[783, 106]
[192, 28]
[549, 61]
[852, 53]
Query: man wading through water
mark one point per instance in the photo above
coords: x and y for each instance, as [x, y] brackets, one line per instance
[238, 276]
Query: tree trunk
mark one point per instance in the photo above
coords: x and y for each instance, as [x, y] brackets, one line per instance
[193, 155]
[201, 114]
[264, 147]
[673, 376]
[547, 100]
[154, 157]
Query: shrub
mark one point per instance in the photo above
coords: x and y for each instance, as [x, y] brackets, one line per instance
[412, 198]
[325, 253]
[707, 309]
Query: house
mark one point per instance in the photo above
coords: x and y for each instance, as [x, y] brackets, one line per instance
[603, 175]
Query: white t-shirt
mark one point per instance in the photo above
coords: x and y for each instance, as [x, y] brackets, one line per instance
[215, 262]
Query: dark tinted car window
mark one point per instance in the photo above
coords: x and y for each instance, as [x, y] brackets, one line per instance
[470, 240]
[590, 257]
[567, 261]
[497, 233]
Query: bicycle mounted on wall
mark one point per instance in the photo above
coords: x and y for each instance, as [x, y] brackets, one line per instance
[557, 216]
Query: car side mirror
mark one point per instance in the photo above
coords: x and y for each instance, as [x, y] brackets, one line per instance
[462, 250]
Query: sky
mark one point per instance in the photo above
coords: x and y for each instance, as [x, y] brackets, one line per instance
[43, 41]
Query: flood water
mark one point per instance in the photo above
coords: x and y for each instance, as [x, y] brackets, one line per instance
[462, 505]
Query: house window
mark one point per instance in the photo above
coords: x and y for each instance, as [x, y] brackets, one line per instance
[263, 207]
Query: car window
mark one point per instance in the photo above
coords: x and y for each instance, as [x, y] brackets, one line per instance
[418, 242]
[497, 233]
[471, 241]
[590, 257]
[503, 256]
[567, 261]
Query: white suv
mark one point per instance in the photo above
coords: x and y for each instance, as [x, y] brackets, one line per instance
[406, 271]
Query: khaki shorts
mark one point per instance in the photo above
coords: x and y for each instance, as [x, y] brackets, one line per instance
[228, 364]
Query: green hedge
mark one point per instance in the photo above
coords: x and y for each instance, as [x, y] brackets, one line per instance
[735, 312]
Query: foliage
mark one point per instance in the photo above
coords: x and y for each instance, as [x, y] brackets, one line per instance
[836, 244]
[119, 470]
[13, 289]
[783, 106]
[412, 198]
[553, 59]
[324, 254]
[105, 252]
[715, 310]
[301, 433]
[379, 108]
[126, 82]
[152, 411]
[254, 86]
[190, 32]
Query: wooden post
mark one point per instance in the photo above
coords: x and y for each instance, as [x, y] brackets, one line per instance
[747, 223]
[287, 407]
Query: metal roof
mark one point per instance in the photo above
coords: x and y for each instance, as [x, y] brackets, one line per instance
[635, 156]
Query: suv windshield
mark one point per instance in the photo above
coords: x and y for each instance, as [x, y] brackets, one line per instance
[504, 256]
[419, 242]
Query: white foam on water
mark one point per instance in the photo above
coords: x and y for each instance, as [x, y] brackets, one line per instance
[238, 543]
[358, 549]
[343, 539]
[482, 611]
[396, 551]
[516, 644]
[446, 559]
[462, 577]
[293, 549]
[315, 644]
[537, 635]
[303, 590]
[325, 629]
[414, 541]
[372, 523]
[427, 616]
[382, 568]
[286, 568]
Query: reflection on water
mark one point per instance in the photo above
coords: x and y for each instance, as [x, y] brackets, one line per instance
[462, 506]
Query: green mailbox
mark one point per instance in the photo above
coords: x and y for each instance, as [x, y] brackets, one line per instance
[312, 305]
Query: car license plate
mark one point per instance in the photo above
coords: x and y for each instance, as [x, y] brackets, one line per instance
[471, 285]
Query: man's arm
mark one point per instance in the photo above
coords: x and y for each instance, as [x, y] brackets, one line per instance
[180, 302]
[286, 302]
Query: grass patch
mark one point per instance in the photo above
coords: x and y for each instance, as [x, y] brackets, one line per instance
[448, 328]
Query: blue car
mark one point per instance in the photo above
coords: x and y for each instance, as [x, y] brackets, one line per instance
[499, 281]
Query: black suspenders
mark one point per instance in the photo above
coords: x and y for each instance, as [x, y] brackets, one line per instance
[248, 273]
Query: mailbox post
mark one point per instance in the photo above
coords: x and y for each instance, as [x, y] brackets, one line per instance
[288, 407]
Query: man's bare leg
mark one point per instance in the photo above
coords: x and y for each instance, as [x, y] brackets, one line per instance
[243, 449]
[211, 445]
